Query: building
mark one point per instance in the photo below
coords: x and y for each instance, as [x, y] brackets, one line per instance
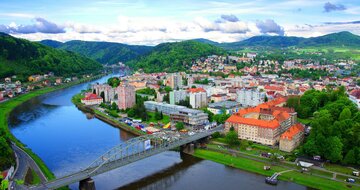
[126, 96]
[1, 95]
[249, 97]
[174, 81]
[160, 96]
[354, 96]
[91, 99]
[177, 113]
[264, 123]
[292, 138]
[105, 91]
[198, 97]
[218, 97]
[229, 106]
[177, 95]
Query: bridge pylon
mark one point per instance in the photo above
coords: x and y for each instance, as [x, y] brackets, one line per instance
[87, 184]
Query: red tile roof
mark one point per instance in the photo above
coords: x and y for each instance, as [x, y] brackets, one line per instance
[280, 114]
[292, 131]
[196, 90]
[274, 88]
[355, 93]
[91, 97]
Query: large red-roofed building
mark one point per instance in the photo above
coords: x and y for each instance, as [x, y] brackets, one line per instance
[264, 123]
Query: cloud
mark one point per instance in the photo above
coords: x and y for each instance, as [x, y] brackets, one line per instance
[230, 18]
[270, 27]
[328, 7]
[41, 25]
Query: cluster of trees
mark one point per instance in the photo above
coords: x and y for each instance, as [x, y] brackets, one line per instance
[313, 74]
[203, 81]
[179, 126]
[103, 52]
[335, 127]
[139, 110]
[219, 118]
[185, 102]
[112, 109]
[173, 57]
[113, 82]
[23, 58]
[6, 153]
[148, 91]
[158, 115]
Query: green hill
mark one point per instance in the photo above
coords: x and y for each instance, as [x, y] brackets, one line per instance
[23, 58]
[172, 57]
[340, 39]
[103, 52]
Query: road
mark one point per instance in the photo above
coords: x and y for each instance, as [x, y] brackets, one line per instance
[25, 163]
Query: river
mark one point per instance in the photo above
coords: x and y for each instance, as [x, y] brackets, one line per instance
[67, 141]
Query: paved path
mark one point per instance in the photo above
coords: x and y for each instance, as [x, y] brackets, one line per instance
[25, 163]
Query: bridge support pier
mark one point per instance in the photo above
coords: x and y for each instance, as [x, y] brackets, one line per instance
[87, 184]
[188, 148]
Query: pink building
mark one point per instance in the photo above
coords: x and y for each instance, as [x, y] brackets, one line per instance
[126, 96]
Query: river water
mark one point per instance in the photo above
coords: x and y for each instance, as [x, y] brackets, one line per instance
[67, 141]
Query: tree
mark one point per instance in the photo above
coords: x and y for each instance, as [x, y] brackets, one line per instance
[131, 112]
[157, 115]
[179, 126]
[231, 137]
[266, 99]
[114, 106]
[350, 157]
[345, 114]
[334, 149]
[161, 115]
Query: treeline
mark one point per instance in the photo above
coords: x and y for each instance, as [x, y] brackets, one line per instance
[335, 126]
[23, 58]
[173, 57]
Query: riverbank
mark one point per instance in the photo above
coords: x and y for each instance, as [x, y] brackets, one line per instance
[256, 166]
[9, 105]
[105, 118]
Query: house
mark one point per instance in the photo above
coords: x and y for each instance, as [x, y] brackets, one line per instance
[229, 106]
[7, 79]
[198, 97]
[354, 96]
[91, 99]
[58, 81]
[218, 98]
[292, 138]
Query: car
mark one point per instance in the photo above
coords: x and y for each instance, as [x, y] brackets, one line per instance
[355, 173]
[350, 180]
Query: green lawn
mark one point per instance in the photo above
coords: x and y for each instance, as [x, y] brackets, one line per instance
[339, 169]
[257, 167]
[165, 120]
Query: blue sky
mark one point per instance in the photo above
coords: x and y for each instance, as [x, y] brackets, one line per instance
[152, 22]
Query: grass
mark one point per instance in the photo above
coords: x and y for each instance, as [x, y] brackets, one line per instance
[257, 167]
[165, 120]
[6, 108]
[32, 178]
[338, 168]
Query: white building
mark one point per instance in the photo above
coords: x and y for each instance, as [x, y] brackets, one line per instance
[91, 99]
[175, 81]
[198, 97]
[250, 97]
[177, 95]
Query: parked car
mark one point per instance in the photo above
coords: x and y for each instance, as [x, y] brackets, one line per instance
[317, 157]
[355, 173]
[350, 180]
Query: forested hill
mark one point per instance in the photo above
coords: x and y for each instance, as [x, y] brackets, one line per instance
[103, 52]
[340, 39]
[23, 58]
[172, 57]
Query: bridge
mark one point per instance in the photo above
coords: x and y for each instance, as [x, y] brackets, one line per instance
[128, 152]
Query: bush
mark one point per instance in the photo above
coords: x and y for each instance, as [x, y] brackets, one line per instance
[217, 134]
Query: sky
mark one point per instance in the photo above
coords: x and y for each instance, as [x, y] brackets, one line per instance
[150, 22]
